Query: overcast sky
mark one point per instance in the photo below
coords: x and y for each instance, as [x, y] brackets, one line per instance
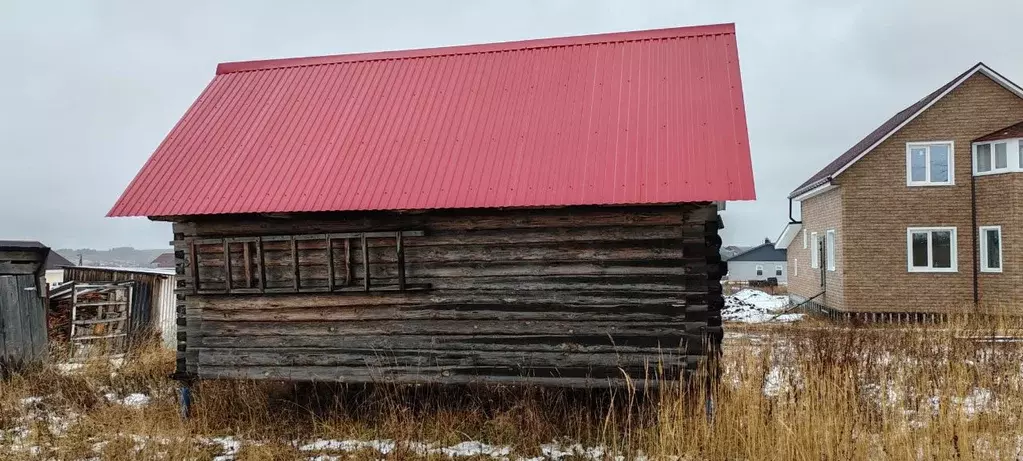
[89, 89]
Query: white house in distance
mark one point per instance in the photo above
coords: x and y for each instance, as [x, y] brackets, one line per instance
[759, 263]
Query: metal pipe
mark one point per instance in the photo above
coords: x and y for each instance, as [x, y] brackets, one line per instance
[976, 239]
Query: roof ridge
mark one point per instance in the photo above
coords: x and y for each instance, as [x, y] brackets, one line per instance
[879, 133]
[751, 249]
[515, 45]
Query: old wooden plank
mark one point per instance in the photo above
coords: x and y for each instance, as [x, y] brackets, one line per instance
[5, 304]
[10, 308]
[679, 343]
[18, 268]
[334, 357]
[31, 293]
[511, 236]
[436, 297]
[260, 264]
[469, 269]
[227, 265]
[247, 264]
[193, 266]
[24, 256]
[447, 220]
[623, 314]
[442, 327]
[365, 263]
[348, 262]
[420, 376]
[330, 264]
[400, 249]
[672, 249]
[294, 264]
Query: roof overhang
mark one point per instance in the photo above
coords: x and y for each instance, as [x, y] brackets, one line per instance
[787, 235]
[979, 68]
[827, 186]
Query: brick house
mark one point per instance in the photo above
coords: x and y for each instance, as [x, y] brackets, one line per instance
[918, 216]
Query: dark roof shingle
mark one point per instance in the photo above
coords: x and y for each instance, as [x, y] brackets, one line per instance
[1014, 131]
[887, 127]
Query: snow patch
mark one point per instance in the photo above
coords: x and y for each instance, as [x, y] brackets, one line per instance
[754, 306]
[28, 401]
[228, 445]
[468, 449]
[134, 400]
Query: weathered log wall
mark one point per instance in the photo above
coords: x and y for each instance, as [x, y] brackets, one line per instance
[570, 296]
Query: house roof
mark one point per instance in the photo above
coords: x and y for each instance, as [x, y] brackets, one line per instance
[763, 252]
[164, 260]
[1010, 132]
[644, 117]
[889, 127]
[53, 259]
[12, 244]
[787, 235]
[56, 261]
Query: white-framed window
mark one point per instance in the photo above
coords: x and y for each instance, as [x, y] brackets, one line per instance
[931, 249]
[778, 271]
[996, 157]
[930, 163]
[815, 257]
[1019, 142]
[990, 157]
[795, 267]
[804, 230]
[829, 244]
[760, 270]
[991, 248]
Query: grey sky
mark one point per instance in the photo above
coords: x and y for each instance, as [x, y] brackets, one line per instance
[89, 89]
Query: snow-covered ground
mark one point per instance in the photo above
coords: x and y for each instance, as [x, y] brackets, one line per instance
[754, 306]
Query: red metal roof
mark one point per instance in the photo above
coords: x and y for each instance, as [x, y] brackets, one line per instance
[627, 118]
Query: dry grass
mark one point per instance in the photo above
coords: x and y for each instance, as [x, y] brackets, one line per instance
[805, 391]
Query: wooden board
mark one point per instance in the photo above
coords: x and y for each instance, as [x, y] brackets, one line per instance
[22, 320]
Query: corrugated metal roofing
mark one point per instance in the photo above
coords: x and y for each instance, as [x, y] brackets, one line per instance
[627, 118]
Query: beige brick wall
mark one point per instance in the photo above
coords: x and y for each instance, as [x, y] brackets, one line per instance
[996, 206]
[878, 206]
[819, 214]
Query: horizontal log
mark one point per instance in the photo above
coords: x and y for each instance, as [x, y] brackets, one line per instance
[214, 226]
[448, 327]
[435, 297]
[23, 256]
[623, 344]
[649, 283]
[519, 237]
[556, 251]
[621, 313]
[616, 378]
[18, 268]
[334, 357]
[466, 269]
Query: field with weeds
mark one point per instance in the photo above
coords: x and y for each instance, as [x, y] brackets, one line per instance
[807, 390]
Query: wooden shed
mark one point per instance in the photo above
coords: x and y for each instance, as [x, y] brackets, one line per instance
[22, 302]
[537, 212]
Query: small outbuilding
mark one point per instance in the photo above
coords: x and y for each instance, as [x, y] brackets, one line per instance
[540, 212]
[22, 303]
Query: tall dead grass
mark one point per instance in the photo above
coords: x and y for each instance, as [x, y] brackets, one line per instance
[804, 391]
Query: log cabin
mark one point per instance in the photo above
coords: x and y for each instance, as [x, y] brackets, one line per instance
[539, 212]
